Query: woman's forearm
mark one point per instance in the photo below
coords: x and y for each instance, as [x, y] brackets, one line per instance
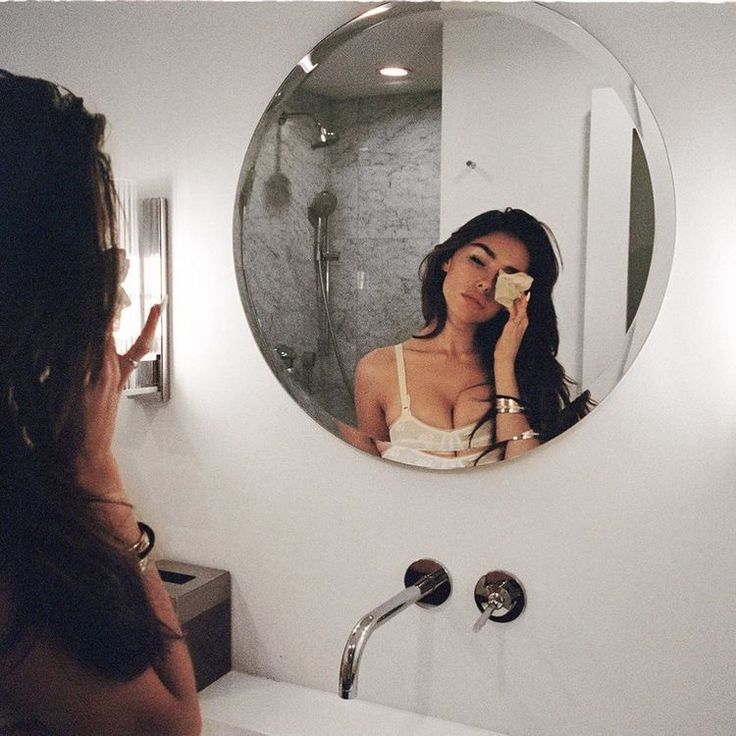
[511, 425]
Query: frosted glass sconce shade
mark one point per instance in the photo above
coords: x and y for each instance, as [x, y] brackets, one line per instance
[143, 235]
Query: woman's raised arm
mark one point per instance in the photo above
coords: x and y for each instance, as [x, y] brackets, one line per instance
[512, 425]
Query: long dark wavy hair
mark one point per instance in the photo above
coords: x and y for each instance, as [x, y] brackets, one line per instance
[66, 579]
[543, 385]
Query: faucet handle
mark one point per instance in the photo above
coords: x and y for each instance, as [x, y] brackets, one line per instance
[499, 593]
[494, 603]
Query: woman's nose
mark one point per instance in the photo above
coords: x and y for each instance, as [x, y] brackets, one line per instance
[486, 283]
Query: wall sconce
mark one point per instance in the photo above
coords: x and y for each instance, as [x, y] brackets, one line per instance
[143, 235]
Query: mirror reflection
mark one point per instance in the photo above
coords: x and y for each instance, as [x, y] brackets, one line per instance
[483, 375]
[416, 351]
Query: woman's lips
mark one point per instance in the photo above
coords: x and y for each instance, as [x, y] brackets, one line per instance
[479, 302]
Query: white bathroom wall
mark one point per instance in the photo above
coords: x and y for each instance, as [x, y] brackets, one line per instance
[621, 531]
[516, 101]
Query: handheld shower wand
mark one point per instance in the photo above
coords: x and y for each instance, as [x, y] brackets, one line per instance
[318, 212]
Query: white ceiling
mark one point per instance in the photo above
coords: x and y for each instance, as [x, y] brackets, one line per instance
[413, 41]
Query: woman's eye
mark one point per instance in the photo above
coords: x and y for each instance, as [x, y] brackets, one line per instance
[477, 261]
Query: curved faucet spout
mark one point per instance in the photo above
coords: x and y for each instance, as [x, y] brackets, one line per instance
[371, 621]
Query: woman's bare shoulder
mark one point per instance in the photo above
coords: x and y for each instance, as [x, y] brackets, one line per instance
[377, 361]
[375, 370]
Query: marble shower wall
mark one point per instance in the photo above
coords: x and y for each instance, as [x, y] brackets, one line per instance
[277, 238]
[385, 173]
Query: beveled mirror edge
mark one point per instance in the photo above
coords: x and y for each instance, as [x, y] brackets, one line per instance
[553, 21]
[343, 33]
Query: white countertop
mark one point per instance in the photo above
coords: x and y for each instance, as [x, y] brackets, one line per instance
[243, 705]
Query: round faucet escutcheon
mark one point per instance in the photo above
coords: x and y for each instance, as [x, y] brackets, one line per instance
[424, 568]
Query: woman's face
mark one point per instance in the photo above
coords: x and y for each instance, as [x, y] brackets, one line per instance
[471, 273]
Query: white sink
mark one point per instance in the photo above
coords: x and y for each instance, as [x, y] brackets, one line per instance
[243, 705]
[211, 727]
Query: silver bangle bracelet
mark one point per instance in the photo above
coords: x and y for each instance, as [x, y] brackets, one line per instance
[142, 548]
[509, 406]
[529, 434]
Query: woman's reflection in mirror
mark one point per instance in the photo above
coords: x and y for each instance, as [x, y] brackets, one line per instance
[89, 642]
[480, 382]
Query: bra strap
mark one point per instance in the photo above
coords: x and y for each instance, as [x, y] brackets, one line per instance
[401, 374]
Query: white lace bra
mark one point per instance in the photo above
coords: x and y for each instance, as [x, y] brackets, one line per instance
[412, 441]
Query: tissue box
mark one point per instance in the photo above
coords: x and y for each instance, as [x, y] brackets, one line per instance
[201, 599]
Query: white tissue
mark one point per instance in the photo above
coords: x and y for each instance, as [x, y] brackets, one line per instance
[510, 286]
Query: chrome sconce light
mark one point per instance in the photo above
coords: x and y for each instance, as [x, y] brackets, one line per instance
[143, 235]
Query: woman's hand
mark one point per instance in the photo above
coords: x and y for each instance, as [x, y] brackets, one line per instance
[504, 359]
[95, 461]
[508, 344]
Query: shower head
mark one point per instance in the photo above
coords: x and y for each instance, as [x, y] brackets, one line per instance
[323, 205]
[326, 136]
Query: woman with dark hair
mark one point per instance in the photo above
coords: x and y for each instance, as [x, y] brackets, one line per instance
[481, 381]
[89, 643]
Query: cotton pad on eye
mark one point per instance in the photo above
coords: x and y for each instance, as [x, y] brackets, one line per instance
[510, 286]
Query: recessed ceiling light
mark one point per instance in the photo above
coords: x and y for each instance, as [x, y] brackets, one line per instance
[395, 71]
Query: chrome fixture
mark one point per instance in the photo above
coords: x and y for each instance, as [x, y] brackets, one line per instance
[309, 358]
[287, 355]
[277, 188]
[318, 213]
[325, 137]
[143, 235]
[427, 584]
[500, 598]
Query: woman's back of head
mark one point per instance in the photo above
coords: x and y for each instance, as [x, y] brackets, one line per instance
[57, 281]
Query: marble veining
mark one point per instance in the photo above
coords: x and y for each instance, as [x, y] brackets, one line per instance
[385, 173]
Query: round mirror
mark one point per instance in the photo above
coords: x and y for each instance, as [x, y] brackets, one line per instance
[391, 135]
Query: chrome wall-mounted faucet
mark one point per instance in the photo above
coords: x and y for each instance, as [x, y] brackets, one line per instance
[427, 583]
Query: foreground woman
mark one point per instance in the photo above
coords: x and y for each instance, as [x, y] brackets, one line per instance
[89, 643]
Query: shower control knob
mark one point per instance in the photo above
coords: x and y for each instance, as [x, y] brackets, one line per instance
[287, 355]
[499, 596]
